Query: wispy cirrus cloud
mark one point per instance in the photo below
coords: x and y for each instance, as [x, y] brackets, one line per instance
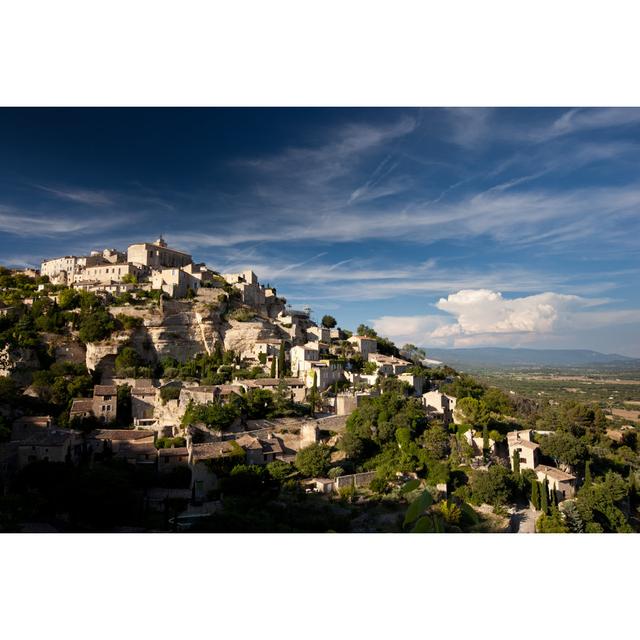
[81, 196]
[505, 214]
[22, 223]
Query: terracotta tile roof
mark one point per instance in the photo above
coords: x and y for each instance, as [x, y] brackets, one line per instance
[249, 442]
[140, 383]
[81, 405]
[105, 390]
[554, 473]
[527, 444]
[173, 452]
[210, 450]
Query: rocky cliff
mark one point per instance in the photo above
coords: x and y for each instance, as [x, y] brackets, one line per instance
[182, 329]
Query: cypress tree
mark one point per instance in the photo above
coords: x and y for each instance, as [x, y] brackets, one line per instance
[273, 367]
[587, 473]
[544, 498]
[516, 461]
[281, 361]
[535, 495]
[313, 396]
[217, 352]
[485, 442]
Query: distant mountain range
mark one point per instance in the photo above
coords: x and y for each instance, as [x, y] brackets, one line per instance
[505, 357]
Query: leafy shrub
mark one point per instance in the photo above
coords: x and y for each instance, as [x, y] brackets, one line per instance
[129, 322]
[169, 393]
[313, 460]
[167, 443]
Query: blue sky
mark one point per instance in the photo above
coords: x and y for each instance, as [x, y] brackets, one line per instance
[442, 227]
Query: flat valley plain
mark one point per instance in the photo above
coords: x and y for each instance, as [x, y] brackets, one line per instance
[616, 390]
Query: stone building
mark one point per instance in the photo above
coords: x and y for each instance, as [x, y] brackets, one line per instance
[260, 450]
[105, 402]
[108, 273]
[364, 345]
[440, 405]
[326, 372]
[51, 445]
[175, 282]
[103, 405]
[157, 255]
[143, 403]
[389, 365]
[520, 442]
[564, 484]
[67, 267]
[28, 426]
[302, 358]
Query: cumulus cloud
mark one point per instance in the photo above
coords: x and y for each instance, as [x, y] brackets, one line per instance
[486, 317]
[486, 311]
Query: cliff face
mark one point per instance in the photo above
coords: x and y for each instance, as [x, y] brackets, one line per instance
[242, 336]
[17, 363]
[181, 329]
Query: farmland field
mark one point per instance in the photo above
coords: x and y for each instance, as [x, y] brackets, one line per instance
[616, 391]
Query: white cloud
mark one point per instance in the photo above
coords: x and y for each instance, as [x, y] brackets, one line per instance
[486, 317]
[484, 311]
[26, 224]
[81, 196]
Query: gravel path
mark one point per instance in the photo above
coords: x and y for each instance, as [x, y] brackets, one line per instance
[524, 521]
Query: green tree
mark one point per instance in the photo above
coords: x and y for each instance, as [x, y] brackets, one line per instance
[436, 441]
[535, 494]
[95, 325]
[587, 473]
[494, 486]
[123, 411]
[314, 396]
[472, 411]
[564, 448]
[552, 522]
[572, 517]
[127, 361]
[273, 368]
[68, 299]
[281, 361]
[485, 441]
[215, 416]
[169, 393]
[496, 401]
[516, 462]
[328, 322]
[280, 470]
[603, 503]
[218, 355]
[364, 330]
[352, 445]
[544, 497]
[259, 403]
[314, 460]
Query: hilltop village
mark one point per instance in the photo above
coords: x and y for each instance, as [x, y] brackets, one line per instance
[144, 391]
